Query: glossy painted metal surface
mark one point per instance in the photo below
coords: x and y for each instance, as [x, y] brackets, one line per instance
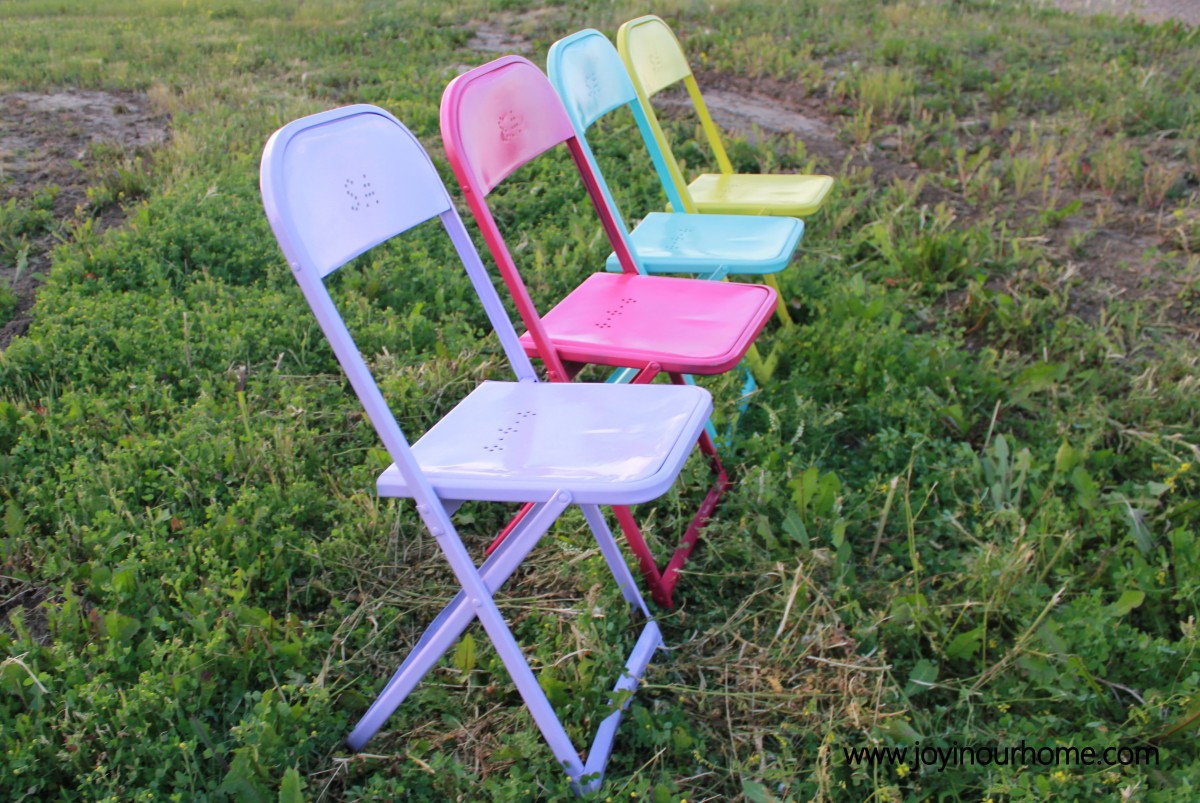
[338, 183]
[683, 325]
[589, 76]
[656, 61]
[759, 193]
[523, 441]
[645, 323]
[713, 245]
[595, 323]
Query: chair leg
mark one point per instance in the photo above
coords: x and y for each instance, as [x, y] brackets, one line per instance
[781, 310]
[451, 622]
[612, 555]
[662, 582]
[508, 528]
[647, 644]
[700, 520]
[476, 601]
[708, 426]
[621, 376]
[645, 558]
[483, 606]
[692, 535]
[535, 698]
[749, 388]
[597, 759]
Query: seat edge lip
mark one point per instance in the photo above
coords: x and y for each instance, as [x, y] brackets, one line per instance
[769, 264]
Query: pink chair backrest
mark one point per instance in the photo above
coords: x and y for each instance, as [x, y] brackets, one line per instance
[497, 117]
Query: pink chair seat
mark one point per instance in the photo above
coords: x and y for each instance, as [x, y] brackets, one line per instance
[684, 325]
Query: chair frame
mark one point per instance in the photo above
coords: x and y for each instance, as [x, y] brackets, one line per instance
[676, 68]
[670, 174]
[610, 87]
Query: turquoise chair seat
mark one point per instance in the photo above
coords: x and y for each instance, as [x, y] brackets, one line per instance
[713, 245]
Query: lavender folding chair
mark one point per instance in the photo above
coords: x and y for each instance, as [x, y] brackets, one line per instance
[337, 184]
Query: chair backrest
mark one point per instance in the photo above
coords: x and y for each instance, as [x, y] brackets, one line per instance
[335, 185]
[586, 71]
[655, 57]
[496, 118]
[655, 61]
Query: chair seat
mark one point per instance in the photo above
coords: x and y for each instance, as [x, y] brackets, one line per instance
[681, 243]
[758, 194]
[524, 441]
[684, 325]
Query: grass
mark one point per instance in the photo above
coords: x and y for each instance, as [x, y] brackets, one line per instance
[966, 508]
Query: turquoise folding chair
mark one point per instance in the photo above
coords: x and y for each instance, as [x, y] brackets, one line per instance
[337, 184]
[591, 80]
[588, 75]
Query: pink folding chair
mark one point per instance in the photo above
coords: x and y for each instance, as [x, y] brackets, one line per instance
[337, 184]
[502, 115]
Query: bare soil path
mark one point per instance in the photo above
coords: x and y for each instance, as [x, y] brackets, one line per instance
[1187, 11]
[47, 139]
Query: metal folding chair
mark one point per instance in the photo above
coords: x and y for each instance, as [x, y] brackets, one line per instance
[592, 82]
[502, 115]
[656, 61]
[334, 186]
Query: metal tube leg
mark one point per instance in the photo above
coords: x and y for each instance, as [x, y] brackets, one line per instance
[781, 309]
[647, 644]
[612, 555]
[480, 599]
[450, 624]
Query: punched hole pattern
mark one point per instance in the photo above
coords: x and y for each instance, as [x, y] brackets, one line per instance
[511, 125]
[609, 314]
[360, 193]
[508, 431]
[680, 237]
[592, 82]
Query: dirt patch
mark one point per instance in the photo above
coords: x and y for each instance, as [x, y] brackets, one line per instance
[510, 33]
[1110, 249]
[745, 107]
[494, 38]
[742, 112]
[1186, 11]
[62, 140]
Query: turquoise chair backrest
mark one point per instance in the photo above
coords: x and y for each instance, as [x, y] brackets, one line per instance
[590, 78]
